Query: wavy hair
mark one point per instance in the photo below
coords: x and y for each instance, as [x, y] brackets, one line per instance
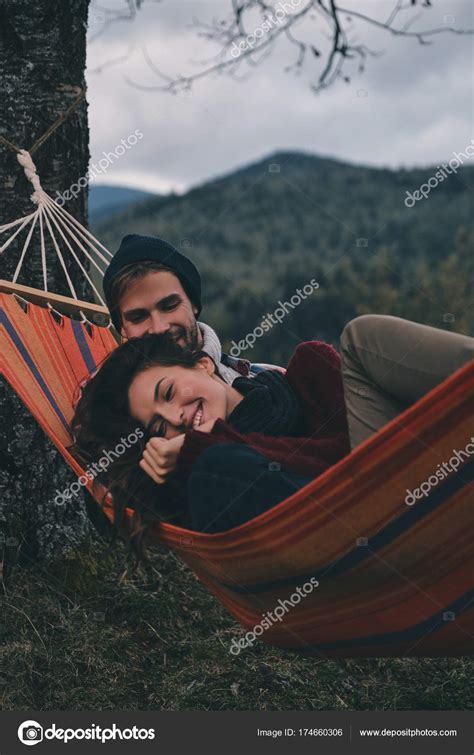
[102, 421]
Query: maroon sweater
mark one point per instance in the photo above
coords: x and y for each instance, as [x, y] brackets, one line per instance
[314, 373]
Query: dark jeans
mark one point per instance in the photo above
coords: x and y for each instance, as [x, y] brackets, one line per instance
[230, 484]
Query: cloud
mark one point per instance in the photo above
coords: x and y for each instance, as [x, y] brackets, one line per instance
[416, 109]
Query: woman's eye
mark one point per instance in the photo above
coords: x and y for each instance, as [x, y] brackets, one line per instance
[169, 394]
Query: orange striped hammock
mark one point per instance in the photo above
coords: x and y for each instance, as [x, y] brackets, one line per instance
[394, 580]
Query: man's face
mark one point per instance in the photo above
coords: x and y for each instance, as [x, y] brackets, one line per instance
[157, 303]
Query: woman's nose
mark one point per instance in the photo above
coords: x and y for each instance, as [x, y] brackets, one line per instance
[175, 415]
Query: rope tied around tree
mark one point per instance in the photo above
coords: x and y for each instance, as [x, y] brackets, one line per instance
[50, 131]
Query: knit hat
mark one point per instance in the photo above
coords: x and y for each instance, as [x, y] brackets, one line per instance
[136, 248]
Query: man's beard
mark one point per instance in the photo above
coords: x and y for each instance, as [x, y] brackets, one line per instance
[188, 336]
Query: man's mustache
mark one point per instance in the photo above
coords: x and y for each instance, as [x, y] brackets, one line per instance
[189, 336]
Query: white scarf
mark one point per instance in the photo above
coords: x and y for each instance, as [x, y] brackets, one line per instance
[212, 346]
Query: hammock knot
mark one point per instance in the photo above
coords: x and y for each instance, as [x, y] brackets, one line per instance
[38, 197]
[26, 162]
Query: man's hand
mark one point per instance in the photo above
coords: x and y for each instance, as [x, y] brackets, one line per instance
[161, 455]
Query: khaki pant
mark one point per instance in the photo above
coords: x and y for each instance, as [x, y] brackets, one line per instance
[389, 363]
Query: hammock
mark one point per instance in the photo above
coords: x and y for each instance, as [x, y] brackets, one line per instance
[392, 579]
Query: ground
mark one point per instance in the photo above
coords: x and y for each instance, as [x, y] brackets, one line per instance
[75, 637]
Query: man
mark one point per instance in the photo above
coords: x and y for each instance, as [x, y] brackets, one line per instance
[150, 287]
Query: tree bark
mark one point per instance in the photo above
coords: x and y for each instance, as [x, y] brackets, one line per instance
[42, 61]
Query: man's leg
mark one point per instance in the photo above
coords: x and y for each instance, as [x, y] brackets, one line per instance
[230, 484]
[389, 363]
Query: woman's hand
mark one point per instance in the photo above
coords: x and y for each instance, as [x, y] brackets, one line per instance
[161, 455]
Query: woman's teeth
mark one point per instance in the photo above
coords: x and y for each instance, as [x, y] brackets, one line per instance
[197, 417]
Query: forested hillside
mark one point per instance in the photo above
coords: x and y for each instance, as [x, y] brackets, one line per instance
[266, 230]
[105, 200]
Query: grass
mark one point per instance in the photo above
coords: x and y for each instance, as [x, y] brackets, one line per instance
[74, 637]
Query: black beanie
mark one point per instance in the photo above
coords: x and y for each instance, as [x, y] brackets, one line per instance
[136, 248]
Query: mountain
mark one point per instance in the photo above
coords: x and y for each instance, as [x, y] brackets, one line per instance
[266, 230]
[106, 200]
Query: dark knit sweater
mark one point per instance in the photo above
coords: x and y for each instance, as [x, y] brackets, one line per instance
[314, 373]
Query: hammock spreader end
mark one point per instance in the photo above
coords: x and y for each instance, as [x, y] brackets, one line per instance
[64, 305]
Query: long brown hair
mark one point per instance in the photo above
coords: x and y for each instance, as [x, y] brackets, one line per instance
[102, 423]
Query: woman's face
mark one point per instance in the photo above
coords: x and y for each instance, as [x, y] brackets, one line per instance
[170, 400]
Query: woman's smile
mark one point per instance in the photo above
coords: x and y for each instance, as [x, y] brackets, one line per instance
[198, 416]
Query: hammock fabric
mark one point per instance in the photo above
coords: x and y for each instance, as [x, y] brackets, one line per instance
[393, 579]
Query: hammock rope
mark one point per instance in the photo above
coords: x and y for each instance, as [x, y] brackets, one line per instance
[50, 214]
[51, 219]
[81, 93]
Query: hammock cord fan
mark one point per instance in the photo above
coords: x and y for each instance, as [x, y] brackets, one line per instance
[50, 214]
[58, 222]
[393, 580]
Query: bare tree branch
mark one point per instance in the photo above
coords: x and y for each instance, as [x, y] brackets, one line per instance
[113, 61]
[238, 46]
[403, 32]
[104, 17]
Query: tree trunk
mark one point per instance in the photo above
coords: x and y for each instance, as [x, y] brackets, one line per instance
[42, 60]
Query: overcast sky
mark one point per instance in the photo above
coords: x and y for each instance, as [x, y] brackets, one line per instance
[413, 105]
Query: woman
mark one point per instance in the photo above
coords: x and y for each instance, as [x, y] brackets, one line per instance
[214, 455]
[217, 455]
